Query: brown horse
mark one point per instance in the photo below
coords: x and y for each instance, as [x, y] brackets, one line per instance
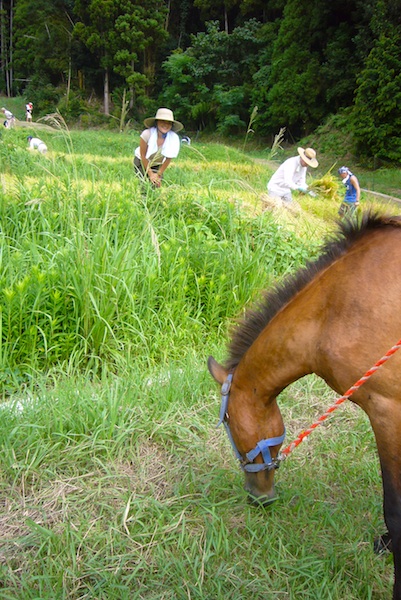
[336, 317]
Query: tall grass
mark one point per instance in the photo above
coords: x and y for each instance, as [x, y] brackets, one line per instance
[115, 483]
[96, 269]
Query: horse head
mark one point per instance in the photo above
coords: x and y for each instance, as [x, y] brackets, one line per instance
[255, 429]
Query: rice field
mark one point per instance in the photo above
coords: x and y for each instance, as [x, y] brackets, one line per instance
[115, 483]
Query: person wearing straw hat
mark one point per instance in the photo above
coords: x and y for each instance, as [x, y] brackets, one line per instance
[291, 175]
[158, 145]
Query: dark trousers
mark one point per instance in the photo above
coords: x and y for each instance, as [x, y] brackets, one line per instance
[139, 167]
[347, 209]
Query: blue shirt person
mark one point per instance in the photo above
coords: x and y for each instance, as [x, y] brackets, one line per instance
[352, 192]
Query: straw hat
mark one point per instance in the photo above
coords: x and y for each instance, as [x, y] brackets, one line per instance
[309, 156]
[164, 114]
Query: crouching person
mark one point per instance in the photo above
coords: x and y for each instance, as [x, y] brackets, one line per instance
[36, 144]
[159, 144]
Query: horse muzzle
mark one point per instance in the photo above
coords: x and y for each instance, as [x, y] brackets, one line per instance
[260, 488]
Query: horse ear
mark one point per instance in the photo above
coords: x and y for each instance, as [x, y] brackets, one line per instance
[217, 371]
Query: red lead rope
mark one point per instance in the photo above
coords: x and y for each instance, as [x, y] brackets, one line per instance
[284, 453]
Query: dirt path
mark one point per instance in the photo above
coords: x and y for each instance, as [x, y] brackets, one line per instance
[380, 195]
[34, 125]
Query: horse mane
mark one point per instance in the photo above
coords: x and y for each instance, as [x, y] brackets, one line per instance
[348, 233]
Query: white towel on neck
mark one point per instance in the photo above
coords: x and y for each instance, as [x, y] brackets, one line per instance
[170, 148]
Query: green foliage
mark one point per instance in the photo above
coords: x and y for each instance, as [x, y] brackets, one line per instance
[71, 106]
[42, 37]
[209, 84]
[44, 96]
[377, 118]
[120, 34]
[295, 94]
[308, 65]
[297, 62]
[94, 272]
[337, 71]
[228, 101]
[294, 83]
[335, 136]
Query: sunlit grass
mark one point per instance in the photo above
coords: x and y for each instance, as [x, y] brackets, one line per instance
[115, 483]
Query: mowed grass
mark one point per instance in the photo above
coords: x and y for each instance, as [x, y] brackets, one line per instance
[115, 482]
[127, 490]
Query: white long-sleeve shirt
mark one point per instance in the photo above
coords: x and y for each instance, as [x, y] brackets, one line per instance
[37, 143]
[290, 175]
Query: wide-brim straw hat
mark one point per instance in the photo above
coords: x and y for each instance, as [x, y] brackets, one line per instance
[164, 114]
[309, 156]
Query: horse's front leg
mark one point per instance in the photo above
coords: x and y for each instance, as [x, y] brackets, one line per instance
[385, 417]
[392, 517]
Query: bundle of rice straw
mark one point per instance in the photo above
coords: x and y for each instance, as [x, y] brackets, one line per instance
[327, 186]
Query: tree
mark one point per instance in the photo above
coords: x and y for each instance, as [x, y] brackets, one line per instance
[377, 116]
[94, 29]
[183, 20]
[212, 9]
[309, 64]
[123, 35]
[42, 46]
[376, 112]
[6, 44]
[210, 83]
[295, 94]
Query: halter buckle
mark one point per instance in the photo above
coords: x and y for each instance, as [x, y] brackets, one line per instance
[225, 388]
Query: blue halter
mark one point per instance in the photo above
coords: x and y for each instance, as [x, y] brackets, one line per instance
[262, 447]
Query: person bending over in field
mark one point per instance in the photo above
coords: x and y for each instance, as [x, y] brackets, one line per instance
[36, 144]
[10, 119]
[291, 175]
[158, 145]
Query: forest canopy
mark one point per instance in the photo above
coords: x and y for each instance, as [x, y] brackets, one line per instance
[290, 64]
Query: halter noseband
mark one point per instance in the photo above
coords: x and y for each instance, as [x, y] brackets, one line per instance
[262, 447]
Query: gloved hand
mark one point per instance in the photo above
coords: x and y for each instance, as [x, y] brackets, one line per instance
[302, 189]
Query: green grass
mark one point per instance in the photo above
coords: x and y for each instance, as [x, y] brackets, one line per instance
[115, 483]
[127, 490]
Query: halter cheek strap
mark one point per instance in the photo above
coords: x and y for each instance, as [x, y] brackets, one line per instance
[262, 447]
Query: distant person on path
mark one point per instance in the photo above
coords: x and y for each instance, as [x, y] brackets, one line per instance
[159, 144]
[291, 175]
[36, 144]
[10, 119]
[28, 112]
[352, 192]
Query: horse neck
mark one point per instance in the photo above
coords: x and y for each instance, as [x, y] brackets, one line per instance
[284, 351]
